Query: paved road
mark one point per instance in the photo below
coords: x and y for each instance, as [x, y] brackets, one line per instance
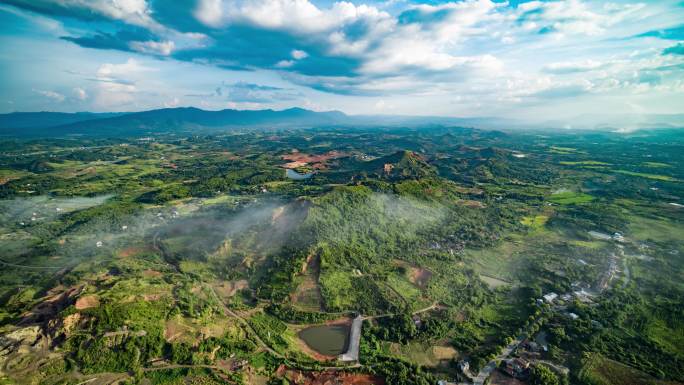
[487, 370]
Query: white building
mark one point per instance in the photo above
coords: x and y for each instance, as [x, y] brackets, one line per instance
[550, 297]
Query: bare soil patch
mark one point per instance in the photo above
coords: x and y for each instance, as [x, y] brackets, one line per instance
[419, 276]
[444, 352]
[173, 330]
[472, 203]
[87, 302]
[306, 158]
[328, 377]
[71, 321]
[131, 251]
[227, 289]
[498, 378]
[149, 273]
[152, 297]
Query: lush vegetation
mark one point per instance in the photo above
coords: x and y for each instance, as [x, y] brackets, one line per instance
[198, 260]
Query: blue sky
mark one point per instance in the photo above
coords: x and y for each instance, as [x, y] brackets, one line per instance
[534, 60]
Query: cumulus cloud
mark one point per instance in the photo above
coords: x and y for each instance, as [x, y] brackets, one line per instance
[479, 52]
[298, 16]
[117, 82]
[52, 95]
[80, 93]
[134, 12]
[299, 54]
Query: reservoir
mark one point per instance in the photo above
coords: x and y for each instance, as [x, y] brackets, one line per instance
[292, 174]
[329, 340]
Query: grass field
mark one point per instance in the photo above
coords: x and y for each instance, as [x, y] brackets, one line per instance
[664, 178]
[411, 294]
[661, 230]
[499, 262]
[570, 198]
[562, 150]
[656, 165]
[598, 370]
[535, 222]
[671, 339]
[584, 163]
[493, 282]
[421, 353]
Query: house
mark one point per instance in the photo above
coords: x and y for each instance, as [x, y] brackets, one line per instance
[550, 297]
[516, 367]
[463, 366]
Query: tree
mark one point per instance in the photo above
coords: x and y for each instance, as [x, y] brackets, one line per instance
[542, 375]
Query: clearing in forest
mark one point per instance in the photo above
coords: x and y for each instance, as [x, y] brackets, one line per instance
[307, 296]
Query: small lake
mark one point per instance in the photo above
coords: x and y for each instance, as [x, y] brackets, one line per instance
[329, 340]
[292, 174]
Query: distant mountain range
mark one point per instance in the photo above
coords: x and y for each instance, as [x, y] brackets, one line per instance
[188, 120]
[51, 124]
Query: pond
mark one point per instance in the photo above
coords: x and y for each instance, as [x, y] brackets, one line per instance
[329, 340]
[292, 174]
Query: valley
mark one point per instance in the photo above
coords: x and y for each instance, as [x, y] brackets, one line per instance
[374, 256]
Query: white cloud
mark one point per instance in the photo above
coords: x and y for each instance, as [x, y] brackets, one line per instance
[300, 16]
[174, 102]
[209, 12]
[134, 12]
[52, 95]
[117, 83]
[573, 66]
[112, 72]
[465, 57]
[80, 93]
[575, 16]
[163, 48]
[285, 63]
[299, 54]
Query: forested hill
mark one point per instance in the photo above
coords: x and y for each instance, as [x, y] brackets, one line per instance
[50, 124]
[22, 120]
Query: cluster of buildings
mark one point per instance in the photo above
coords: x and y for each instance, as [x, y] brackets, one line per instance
[516, 367]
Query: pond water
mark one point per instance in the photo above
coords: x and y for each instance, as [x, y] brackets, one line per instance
[292, 174]
[330, 340]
